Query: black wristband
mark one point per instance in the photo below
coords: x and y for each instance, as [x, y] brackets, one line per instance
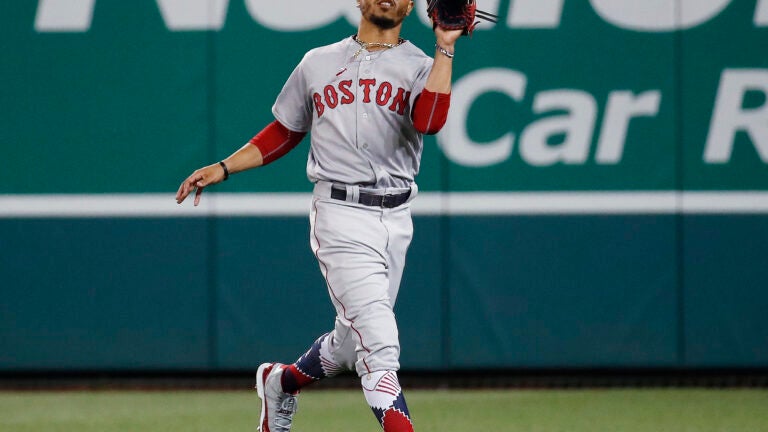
[226, 171]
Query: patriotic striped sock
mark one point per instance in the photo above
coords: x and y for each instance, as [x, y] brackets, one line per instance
[385, 397]
[314, 365]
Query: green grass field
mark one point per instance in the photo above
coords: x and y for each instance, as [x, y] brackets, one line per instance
[673, 410]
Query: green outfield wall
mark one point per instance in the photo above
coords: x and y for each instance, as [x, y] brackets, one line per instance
[598, 197]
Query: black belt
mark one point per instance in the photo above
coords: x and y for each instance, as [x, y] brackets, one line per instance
[373, 200]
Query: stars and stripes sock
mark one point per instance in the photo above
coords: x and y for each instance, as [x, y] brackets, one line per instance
[385, 397]
[316, 364]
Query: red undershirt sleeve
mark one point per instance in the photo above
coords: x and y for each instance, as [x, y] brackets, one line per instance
[275, 141]
[430, 110]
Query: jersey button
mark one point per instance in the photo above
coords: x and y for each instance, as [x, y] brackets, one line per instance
[365, 145]
[365, 115]
[367, 57]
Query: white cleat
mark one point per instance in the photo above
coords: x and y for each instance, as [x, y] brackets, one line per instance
[277, 407]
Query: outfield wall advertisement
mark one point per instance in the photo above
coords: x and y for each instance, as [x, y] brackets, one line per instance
[579, 95]
[598, 197]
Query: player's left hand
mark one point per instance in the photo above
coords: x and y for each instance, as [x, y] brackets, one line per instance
[447, 38]
[199, 179]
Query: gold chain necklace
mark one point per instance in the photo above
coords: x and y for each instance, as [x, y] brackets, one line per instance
[366, 45]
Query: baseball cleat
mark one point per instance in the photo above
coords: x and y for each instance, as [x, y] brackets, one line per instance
[277, 407]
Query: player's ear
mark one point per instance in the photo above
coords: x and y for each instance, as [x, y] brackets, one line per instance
[410, 8]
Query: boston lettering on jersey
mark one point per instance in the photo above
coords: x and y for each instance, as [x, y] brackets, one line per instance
[382, 93]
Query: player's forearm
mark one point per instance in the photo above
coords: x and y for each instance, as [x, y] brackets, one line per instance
[247, 157]
[272, 143]
[439, 79]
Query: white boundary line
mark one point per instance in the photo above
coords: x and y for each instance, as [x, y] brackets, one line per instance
[429, 203]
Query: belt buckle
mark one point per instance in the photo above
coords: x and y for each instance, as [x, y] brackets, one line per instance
[387, 200]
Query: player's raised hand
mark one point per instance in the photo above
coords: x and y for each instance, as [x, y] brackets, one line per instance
[199, 179]
[447, 38]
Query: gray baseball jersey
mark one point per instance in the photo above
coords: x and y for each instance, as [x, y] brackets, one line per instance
[357, 106]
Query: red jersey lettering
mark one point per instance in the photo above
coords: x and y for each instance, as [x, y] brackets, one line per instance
[331, 97]
[384, 93]
[347, 96]
[319, 107]
[400, 101]
[366, 84]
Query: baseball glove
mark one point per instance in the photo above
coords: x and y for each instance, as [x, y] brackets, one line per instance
[456, 15]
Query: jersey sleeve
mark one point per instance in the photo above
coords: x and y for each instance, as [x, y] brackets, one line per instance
[275, 141]
[421, 80]
[293, 106]
[430, 111]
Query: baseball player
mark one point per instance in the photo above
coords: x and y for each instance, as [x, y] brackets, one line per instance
[367, 101]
